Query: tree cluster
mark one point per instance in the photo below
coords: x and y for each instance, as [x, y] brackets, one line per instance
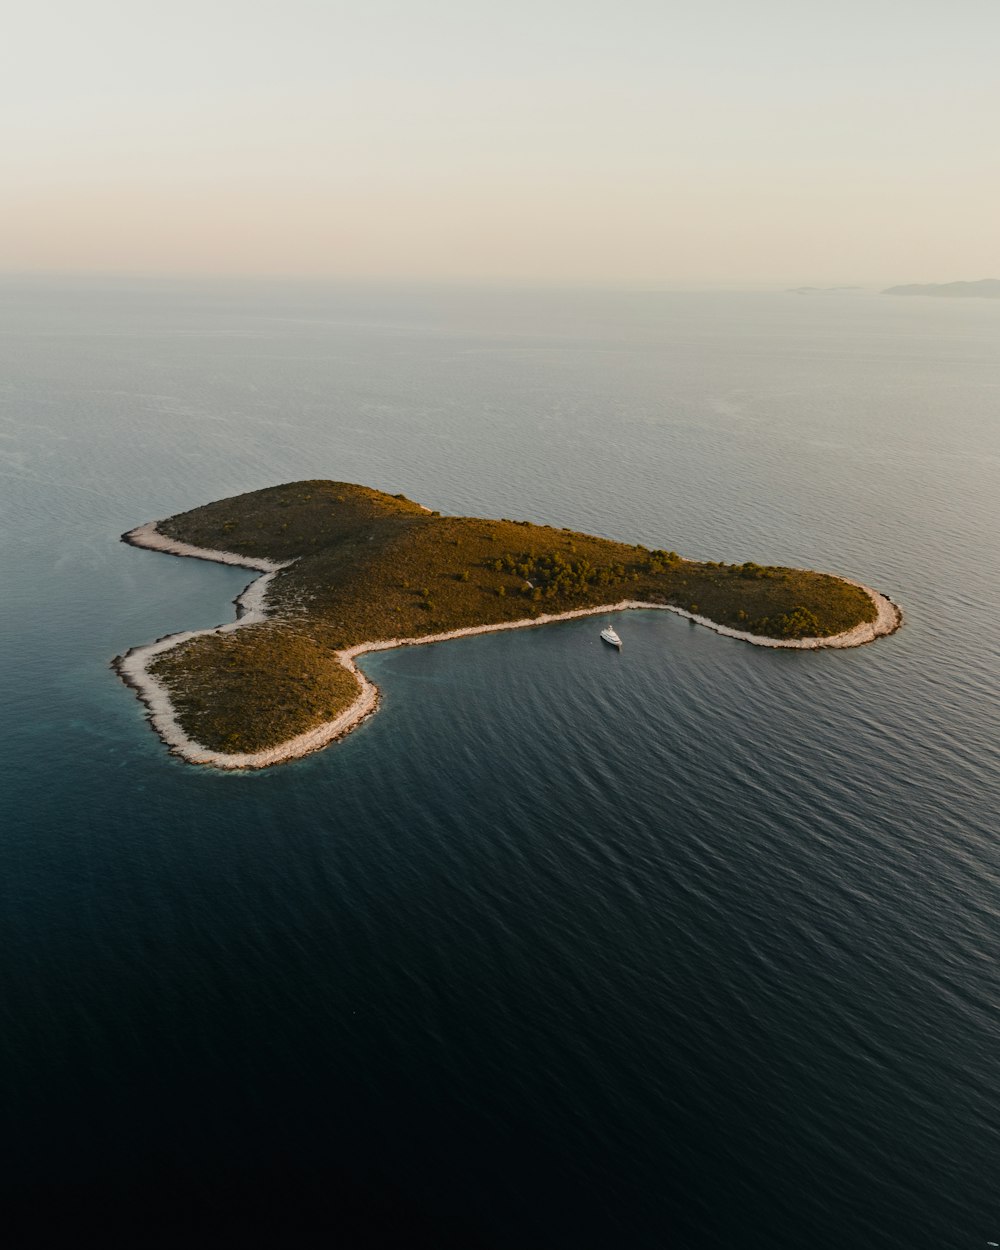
[554, 574]
[798, 623]
[660, 561]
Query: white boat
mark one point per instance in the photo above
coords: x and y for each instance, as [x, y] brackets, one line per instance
[609, 635]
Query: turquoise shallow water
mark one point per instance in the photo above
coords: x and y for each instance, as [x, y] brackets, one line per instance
[692, 945]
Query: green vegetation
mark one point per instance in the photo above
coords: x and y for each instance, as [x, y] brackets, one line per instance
[372, 566]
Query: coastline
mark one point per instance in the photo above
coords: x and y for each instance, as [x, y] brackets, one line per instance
[251, 608]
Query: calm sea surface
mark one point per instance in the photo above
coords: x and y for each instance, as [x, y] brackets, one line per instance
[697, 945]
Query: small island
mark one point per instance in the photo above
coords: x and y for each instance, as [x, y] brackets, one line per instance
[347, 569]
[821, 290]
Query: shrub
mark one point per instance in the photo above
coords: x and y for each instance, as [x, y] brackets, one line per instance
[798, 623]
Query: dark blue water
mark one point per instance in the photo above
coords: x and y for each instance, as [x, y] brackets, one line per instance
[695, 945]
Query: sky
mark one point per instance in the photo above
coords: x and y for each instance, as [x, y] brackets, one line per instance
[684, 143]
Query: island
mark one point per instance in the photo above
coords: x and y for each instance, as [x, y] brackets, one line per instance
[985, 288]
[347, 569]
[821, 290]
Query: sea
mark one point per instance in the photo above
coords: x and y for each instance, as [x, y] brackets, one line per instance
[696, 945]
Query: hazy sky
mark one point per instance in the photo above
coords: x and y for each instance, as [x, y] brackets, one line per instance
[646, 142]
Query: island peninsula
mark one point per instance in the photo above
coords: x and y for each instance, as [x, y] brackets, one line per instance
[348, 569]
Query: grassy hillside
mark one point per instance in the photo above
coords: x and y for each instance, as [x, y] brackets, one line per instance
[372, 566]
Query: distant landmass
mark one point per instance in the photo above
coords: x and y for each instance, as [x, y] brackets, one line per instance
[985, 288]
